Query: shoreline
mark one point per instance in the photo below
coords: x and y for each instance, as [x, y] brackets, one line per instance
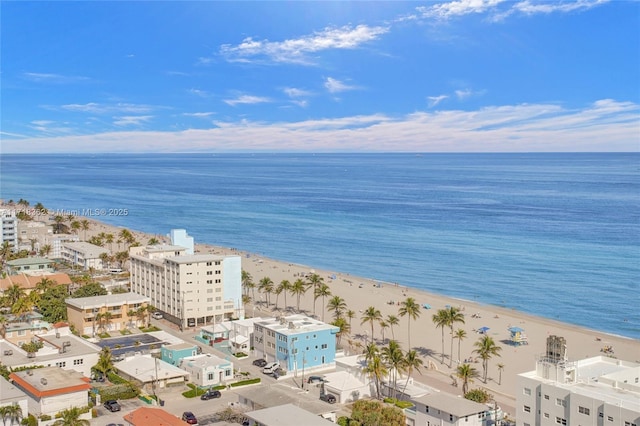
[360, 292]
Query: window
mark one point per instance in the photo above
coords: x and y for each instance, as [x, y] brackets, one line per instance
[546, 415]
[583, 410]
[426, 409]
[527, 391]
[610, 418]
[527, 409]
[61, 364]
[561, 402]
[227, 373]
[324, 346]
[78, 361]
[561, 421]
[546, 397]
[210, 376]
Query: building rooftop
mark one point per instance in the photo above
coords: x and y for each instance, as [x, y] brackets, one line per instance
[146, 368]
[181, 346]
[29, 261]
[9, 392]
[456, 405]
[272, 396]
[50, 381]
[203, 361]
[195, 258]
[287, 415]
[55, 342]
[148, 416]
[107, 300]
[295, 324]
[88, 250]
[29, 281]
[342, 381]
[161, 248]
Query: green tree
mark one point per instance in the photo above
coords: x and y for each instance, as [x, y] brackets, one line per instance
[85, 227]
[480, 396]
[392, 320]
[411, 309]
[286, 288]
[486, 349]
[266, 287]
[105, 362]
[377, 370]
[278, 290]
[153, 241]
[343, 327]
[108, 238]
[466, 373]
[350, 315]
[337, 305]
[322, 290]
[459, 334]
[441, 320]
[51, 304]
[58, 223]
[374, 413]
[371, 315]
[104, 320]
[412, 362]
[150, 309]
[45, 250]
[298, 289]
[75, 226]
[394, 358]
[71, 417]
[454, 316]
[89, 290]
[314, 280]
[500, 368]
[12, 294]
[11, 414]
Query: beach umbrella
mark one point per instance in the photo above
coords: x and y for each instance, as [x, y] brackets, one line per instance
[426, 306]
[483, 330]
[516, 329]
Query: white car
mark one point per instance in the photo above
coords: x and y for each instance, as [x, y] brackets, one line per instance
[157, 315]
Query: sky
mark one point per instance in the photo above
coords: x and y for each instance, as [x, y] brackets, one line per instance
[269, 76]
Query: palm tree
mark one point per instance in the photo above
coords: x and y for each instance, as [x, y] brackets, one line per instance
[441, 320]
[104, 256]
[24, 305]
[85, 227]
[266, 287]
[460, 334]
[298, 289]
[370, 351]
[75, 226]
[45, 250]
[350, 315]
[13, 293]
[248, 284]
[337, 305]
[58, 220]
[71, 417]
[500, 368]
[376, 370]
[314, 280]
[5, 251]
[108, 238]
[153, 241]
[454, 315]
[11, 413]
[149, 309]
[246, 299]
[371, 315]
[486, 348]
[411, 309]
[392, 320]
[45, 284]
[286, 287]
[131, 313]
[141, 314]
[394, 358]
[104, 319]
[343, 327]
[322, 290]
[105, 362]
[467, 373]
[411, 362]
[383, 326]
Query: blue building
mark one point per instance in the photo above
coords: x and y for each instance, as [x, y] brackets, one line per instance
[173, 354]
[297, 342]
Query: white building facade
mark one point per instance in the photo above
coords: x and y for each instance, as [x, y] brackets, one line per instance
[191, 290]
[208, 370]
[9, 228]
[84, 255]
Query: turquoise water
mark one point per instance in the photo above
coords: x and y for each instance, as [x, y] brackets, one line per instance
[555, 235]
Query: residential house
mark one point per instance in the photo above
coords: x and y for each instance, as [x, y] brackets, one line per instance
[298, 342]
[440, 408]
[241, 333]
[173, 354]
[83, 255]
[23, 328]
[152, 373]
[51, 390]
[60, 348]
[12, 395]
[29, 266]
[190, 290]
[30, 282]
[208, 370]
[57, 241]
[152, 416]
[285, 415]
[257, 398]
[32, 234]
[111, 312]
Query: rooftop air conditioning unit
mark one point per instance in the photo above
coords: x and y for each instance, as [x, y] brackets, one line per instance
[9, 352]
[31, 355]
[29, 373]
[43, 381]
[66, 343]
[291, 325]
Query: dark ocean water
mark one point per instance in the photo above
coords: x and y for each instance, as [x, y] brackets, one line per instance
[557, 235]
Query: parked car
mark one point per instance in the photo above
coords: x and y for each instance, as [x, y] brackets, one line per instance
[260, 362]
[190, 418]
[315, 379]
[327, 397]
[271, 367]
[210, 394]
[157, 315]
[112, 405]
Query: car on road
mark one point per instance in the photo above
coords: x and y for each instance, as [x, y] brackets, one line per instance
[260, 362]
[271, 367]
[157, 315]
[315, 379]
[112, 405]
[189, 417]
[327, 397]
[210, 394]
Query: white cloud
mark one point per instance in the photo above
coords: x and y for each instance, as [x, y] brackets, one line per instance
[292, 92]
[605, 126]
[531, 8]
[198, 114]
[297, 50]
[201, 93]
[131, 120]
[336, 86]
[435, 100]
[96, 108]
[53, 78]
[246, 99]
[458, 8]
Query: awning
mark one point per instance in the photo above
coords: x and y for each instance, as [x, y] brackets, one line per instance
[239, 339]
[516, 329]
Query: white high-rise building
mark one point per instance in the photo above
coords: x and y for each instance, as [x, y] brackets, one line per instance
[189, 290]
[9, 228]
[598, 391]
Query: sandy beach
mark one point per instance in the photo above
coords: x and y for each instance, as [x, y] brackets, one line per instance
[360, 293]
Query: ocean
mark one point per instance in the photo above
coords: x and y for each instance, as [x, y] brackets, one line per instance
[555, 235]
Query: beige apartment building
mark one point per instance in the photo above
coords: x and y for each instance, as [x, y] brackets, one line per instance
[91, 315]
[189, 289]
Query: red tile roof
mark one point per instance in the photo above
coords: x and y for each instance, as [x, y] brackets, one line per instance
[147, 416]
[29, 282]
